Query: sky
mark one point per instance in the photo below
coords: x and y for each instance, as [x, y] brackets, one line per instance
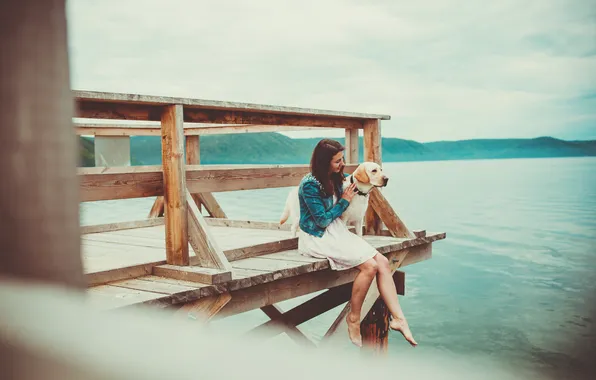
[442, 69]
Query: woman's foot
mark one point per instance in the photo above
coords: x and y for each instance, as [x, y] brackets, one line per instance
[354, 329]
[401, 325]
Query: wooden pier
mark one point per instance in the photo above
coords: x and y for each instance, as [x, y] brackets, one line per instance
[209, 266]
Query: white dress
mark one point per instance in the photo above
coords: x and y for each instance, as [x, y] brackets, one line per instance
[342, 248]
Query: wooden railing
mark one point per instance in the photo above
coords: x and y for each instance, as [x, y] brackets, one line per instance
[181, 184]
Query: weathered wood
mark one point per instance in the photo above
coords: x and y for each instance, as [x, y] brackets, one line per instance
[193, 274]
[293, 332]
[419, 233]
[351, 153]
[146, 181]
[306, 311]
[261, 249]
[207, 251]
[110, 99]
[388, 216]
[258, 225]
[175, 201]
[116, 130]
[99, 228]
[375, 328]
[283, 289]
[211, 205]
[190, 129]
[99, 184]
[193, 157]
[204, 309]
[372, 152]
[201, 179]
[158, 208]
[38, 154]
[241, 128]
[118, 274]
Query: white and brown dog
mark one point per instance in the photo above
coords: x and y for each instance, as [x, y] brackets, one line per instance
[366, 176]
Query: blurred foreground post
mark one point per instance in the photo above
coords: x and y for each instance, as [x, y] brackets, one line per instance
[38, 152]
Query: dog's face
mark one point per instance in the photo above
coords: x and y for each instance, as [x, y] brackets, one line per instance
[371, 173]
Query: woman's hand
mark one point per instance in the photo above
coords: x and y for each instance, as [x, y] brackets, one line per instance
[349, 192]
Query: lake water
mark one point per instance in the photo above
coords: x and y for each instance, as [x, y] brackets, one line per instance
[513, 283]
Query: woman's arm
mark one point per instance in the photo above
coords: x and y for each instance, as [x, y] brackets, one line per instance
[312, 198]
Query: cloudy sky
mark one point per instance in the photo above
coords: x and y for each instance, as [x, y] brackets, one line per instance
[443, 69]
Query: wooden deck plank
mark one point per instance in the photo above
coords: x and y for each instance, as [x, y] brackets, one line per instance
[110, 297]
[154, 286]
[137, 282]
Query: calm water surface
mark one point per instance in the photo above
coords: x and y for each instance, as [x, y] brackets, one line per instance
[512, 284]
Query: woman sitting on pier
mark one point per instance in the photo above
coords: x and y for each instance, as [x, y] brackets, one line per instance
[323, 234]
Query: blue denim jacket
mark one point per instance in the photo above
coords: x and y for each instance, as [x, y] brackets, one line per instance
[317, 210]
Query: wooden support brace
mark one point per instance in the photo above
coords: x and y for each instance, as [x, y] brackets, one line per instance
[207, 251]
[387, 215]
[204, 309]
[306, 311]
[293, 332]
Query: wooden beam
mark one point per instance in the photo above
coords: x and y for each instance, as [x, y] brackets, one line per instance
[98, 184]
[146, 181]
[312, 308]
[207, 251]
[193, 157]
[190, 129]
[293, 332]
[262, 249]
[352, 146]
[211, 205]
[99, 228]
[197, 115]
[251, 224]
[201, 179]
[242, 128]
[388, 216]
[158, 208]
[111, 98]
[205, 308]
[174, 183]
[193, 274]
[372, 152]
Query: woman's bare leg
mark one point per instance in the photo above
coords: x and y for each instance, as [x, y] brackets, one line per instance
[389, 294]
[368, 271]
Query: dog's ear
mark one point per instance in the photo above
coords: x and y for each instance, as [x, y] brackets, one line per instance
[360, 174]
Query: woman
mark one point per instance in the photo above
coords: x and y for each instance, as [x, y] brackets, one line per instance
[323, 234]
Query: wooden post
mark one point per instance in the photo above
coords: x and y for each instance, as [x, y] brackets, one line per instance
[375, 328]
[372, 152]
[193, 157]
[351, 146]
[38, 148]
[174, 175]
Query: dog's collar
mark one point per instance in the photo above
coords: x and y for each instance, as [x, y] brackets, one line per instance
[357, 189]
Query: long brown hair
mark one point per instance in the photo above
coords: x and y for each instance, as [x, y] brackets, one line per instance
[320, 161]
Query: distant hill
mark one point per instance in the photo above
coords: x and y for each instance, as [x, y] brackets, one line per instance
[272, 148]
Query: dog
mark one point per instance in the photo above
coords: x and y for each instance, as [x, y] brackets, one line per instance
[367, 176]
